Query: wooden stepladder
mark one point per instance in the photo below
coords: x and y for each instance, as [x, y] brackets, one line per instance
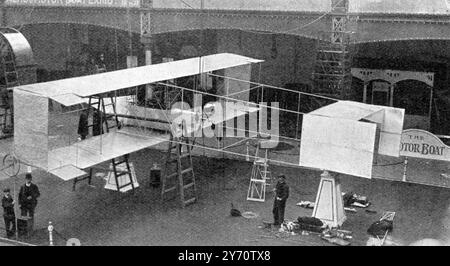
[182, 177]
[261, 177]
[122, 178]
[97, 103]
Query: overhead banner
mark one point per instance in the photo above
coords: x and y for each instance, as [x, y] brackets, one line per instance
[399, 6]
[77, 3]
[423, 144]
[257, 5]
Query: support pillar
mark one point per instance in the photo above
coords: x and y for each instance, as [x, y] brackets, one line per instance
[147, 41]
[391, 95]
[329, 206]
[365, 92]
[3, 22]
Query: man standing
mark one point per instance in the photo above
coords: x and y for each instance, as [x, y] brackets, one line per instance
[28, 195]
[281, 195]
[98, 120]
[8, 213]
[83, 127]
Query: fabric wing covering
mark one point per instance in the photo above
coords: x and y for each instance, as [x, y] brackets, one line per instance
[68, 172]
[342, 137]
[71, 91]
[31, 114]
[31, 128]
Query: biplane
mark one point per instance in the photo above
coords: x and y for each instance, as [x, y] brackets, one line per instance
[37, 137]
[338, 136]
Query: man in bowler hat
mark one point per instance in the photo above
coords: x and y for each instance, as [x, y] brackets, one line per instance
[28, 195]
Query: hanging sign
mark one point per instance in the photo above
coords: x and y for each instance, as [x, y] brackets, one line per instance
[422, 144]
[77, 3]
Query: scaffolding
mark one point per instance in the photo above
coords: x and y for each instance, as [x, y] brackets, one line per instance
[15, 71]
[332, 72]
[11, 79]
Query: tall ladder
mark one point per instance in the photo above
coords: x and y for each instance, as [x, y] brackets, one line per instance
[11, 80]
[332, 71]
[261, 177]
[183, 178]
[98, 102]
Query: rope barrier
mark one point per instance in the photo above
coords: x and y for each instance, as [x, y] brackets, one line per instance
[12, 241]
[390, 164]
[60, 235]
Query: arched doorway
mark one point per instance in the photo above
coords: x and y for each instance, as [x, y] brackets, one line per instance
[412, 91]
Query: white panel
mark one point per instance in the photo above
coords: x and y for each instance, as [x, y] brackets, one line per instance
[31, 128]
[68, 99]
[347, 110]
[98, 149]
[391, 121]
[337, 145]
[377, 117]
[325, 202]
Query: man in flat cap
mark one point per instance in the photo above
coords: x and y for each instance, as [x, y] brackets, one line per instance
[28, 195]
[279, 204]
[8, 213]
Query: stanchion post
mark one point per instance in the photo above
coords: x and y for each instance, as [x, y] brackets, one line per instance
[50, 233]
[247, 156]
[15, 216]
[404, 169]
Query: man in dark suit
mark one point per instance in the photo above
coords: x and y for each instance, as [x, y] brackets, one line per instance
[98, 121]
[28, 195]
[83, 128]
[279, 204]
[8, 213]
